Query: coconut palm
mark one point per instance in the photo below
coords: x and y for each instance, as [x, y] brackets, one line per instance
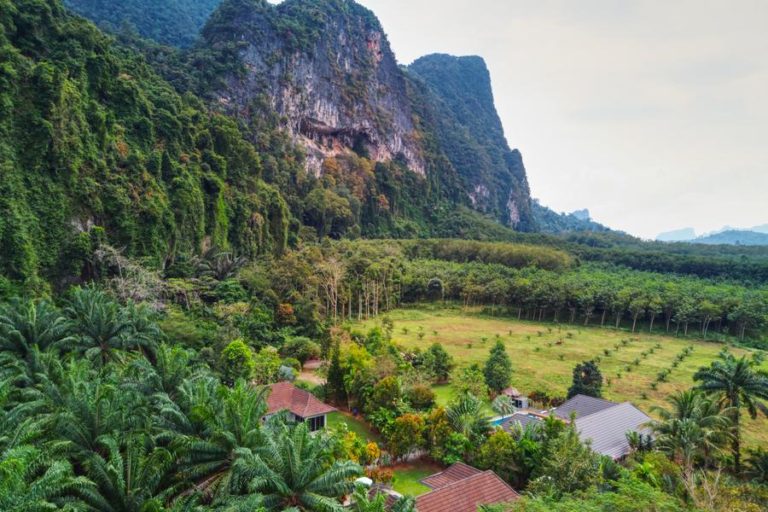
[295, 470]
[737, 384]
[692, 430]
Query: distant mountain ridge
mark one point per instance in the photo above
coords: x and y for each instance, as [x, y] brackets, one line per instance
[734, 237]
[757, 235]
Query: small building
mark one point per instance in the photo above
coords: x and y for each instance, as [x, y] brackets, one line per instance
[604, 423]
[462, 488]
[522, 419]
[518, 400]
[301, 405]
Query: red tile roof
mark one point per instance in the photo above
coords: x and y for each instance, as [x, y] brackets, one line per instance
[467, 495]
[286, 396]
[458, 471]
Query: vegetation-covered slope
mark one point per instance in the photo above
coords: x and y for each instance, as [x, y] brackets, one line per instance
[90, 136]
[469, 132]
[172, 22]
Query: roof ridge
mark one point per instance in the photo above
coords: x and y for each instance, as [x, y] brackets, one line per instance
[593, 398]
[470, 477]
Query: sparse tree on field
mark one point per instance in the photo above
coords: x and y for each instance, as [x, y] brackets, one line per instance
[498, 368]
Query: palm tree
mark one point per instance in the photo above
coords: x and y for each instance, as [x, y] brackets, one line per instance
[27, 328]
[692, 430]
[757, 466]
[88, 406]
[295, 470]
[466, 417]
[130, 479]
[737, 384]
[171, 367]
[364, 502]
[23, 418]
[220, 265]
[104, 328]
[30, 483]
[210, 424]
[503, 405]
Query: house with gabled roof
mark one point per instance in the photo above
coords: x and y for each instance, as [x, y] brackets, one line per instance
[462, 488]
[602, 423]
[300, 404]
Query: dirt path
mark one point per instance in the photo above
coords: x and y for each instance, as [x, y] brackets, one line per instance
[309, 373]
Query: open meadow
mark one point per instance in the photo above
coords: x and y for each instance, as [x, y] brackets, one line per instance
[544, 355]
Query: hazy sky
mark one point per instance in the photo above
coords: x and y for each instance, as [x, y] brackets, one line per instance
[652, 114]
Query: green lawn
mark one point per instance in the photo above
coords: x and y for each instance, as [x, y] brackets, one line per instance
[335, 419]
[408, 478]
[543, 355]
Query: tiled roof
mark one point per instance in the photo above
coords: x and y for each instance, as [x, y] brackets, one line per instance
[583, 406]
[607, 429]
[522, 418]
[286, 396]
[467, 495]
[458, 471]
[513, 392]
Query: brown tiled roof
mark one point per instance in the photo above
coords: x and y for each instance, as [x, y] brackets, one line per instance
[513, 392]
[467, 495]
[458, 471]
[286, 396]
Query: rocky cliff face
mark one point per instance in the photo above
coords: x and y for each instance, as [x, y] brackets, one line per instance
[470, 133]
[327, 68]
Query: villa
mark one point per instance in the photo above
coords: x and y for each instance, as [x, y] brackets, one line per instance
[302, 405]
[602, 423]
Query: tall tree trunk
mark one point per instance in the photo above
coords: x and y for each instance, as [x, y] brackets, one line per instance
[602, 319]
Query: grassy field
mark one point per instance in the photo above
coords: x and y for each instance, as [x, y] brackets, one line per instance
[544, 355]
[408, 477]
